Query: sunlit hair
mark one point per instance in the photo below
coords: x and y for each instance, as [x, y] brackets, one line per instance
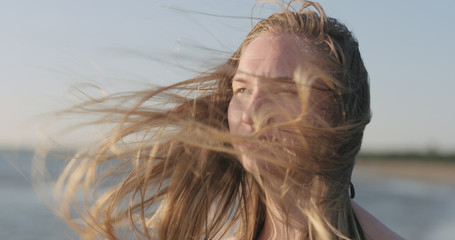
[167, 168]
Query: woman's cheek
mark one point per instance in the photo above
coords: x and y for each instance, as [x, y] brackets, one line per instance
[234, 115]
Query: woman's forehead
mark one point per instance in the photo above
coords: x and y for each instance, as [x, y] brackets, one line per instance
[274, 55]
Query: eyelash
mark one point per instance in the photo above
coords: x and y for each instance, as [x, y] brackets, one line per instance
[241, 90]
[288, 91]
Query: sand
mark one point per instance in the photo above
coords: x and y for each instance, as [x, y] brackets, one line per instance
[436, 172]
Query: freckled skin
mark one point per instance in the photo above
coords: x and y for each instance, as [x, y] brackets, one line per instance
[271, 56]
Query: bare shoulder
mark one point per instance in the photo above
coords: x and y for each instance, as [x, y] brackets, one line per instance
[373, 228]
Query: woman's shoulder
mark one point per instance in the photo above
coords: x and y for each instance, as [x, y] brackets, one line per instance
[372, 227]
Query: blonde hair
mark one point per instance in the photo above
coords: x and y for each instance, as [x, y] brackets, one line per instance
[167, 168]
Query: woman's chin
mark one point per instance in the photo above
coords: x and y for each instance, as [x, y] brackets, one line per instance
[250, 164]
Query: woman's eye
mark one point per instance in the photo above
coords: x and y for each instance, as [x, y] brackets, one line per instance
[242, 91]
[287, 91]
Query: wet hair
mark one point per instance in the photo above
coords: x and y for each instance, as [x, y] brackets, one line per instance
[167, 168]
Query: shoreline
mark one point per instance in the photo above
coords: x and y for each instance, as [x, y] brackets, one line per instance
[427, 171]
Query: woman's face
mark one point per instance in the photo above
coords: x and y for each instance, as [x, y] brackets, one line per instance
[264, 82]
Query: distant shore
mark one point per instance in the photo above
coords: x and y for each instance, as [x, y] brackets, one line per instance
[430, 171]
[423, 167]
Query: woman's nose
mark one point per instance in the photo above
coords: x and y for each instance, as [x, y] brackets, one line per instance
[253, 107]
[246, 117]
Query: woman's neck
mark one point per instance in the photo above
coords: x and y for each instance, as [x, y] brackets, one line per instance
[276, 226]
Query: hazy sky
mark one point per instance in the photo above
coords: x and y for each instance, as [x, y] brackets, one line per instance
[47, 46]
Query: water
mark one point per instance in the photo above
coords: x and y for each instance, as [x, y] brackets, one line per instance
[23, 213]
[414, 209]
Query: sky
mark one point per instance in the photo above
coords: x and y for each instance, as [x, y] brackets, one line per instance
[47, 47]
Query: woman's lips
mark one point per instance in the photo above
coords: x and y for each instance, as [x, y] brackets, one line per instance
[256, 144]
[249, 145]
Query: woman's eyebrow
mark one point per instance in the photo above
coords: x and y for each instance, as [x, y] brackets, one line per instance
[239, 80]
[282, 79]
[242, 76]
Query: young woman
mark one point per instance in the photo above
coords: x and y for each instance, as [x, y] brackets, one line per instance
[261, 147]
